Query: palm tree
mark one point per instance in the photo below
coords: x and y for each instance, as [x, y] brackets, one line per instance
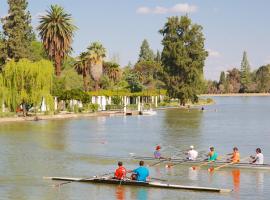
[112, 70]
[96, 53]
[56, 30]
[82, 66]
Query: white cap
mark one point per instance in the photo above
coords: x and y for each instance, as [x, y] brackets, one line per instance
[192, 147]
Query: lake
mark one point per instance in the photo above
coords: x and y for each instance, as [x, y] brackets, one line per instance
[91, 146]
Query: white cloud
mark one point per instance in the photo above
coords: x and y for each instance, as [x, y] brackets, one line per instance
[183, 8]
[178, 8]
[160, 10]
[143, 10]
[213, 53]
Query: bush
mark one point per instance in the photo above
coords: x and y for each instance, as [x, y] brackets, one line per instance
[116, 100]
[114, 107]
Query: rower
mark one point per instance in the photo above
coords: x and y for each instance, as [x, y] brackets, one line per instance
[120, 172]
[141, 173]
[235, 156]
[258, 158]
[192, 154]
[212, 155]
[157, 153]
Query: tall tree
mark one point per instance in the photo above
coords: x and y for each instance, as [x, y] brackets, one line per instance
[56, 30]
[183, 58]
[17, 30]
[146, 53]
[96, 54]
[245, 73]
[82, 66]
[263, 79]
[3, 52]
[233, 80]
[112, 70]
[158, 57]
[222, 78]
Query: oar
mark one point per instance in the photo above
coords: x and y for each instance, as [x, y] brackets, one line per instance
[63, 183]
[158, 179]
[205, 163]
[212, 169]
[157, 163]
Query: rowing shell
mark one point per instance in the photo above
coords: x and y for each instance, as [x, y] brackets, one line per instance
[212, 164]
[139, 183]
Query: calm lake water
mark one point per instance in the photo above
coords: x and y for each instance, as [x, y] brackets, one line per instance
[92, 146]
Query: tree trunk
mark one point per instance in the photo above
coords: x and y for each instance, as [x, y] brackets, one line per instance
[57, 65]
[85, 82]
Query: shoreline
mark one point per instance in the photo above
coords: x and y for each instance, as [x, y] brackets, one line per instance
[61, 116]
[94, 114]
[236, 95]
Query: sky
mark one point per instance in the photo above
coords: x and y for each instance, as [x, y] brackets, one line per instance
[229, 26]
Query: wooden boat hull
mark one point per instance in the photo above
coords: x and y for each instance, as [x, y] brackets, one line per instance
[179, 161]
[139, 183]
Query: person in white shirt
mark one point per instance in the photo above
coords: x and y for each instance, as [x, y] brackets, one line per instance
[192, 154]
[258, 159]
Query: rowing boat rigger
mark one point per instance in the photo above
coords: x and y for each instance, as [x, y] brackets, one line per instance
[151, 184]
[210, 164]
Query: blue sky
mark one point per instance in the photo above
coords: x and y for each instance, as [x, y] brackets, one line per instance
[230, 27]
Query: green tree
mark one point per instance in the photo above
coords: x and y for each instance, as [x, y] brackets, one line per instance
[146, 53]
[56, 30]
[82, 66]
[112, 70]
[37, 51]
[222, 78]
[17, 30]
[263, 79]
[245, 73]
[233, 81]
[27, 82]
[158, 57]
[96, 54]
[149, 73]
[183, 58]
[3, 53]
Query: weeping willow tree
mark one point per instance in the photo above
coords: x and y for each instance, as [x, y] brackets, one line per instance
[3, 93]
[26, 83]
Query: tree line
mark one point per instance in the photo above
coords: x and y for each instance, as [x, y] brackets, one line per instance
[242, 80]
[178, 68]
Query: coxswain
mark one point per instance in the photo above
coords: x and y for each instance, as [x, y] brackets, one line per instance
[120, 172]
[192, 154]
[235, 156]
[157, 153]
[212, 155]
[258, 158]
[141, 173]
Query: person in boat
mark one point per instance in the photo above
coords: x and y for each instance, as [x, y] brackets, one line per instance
[258, 158]
[212, 155]
[120, 172]
[235, 156]
[192, 154]
[157, 153]
[141, 173]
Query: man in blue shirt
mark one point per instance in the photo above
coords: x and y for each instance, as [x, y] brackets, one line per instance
[141, 173]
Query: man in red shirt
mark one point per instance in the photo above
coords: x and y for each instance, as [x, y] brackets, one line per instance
[120, 172]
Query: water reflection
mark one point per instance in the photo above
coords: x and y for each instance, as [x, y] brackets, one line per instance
[120, 192]
[140, 194]
[182, 127]
[236, 179]
[192, 174]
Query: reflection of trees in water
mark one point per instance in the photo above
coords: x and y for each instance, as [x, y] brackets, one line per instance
[182, 127]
